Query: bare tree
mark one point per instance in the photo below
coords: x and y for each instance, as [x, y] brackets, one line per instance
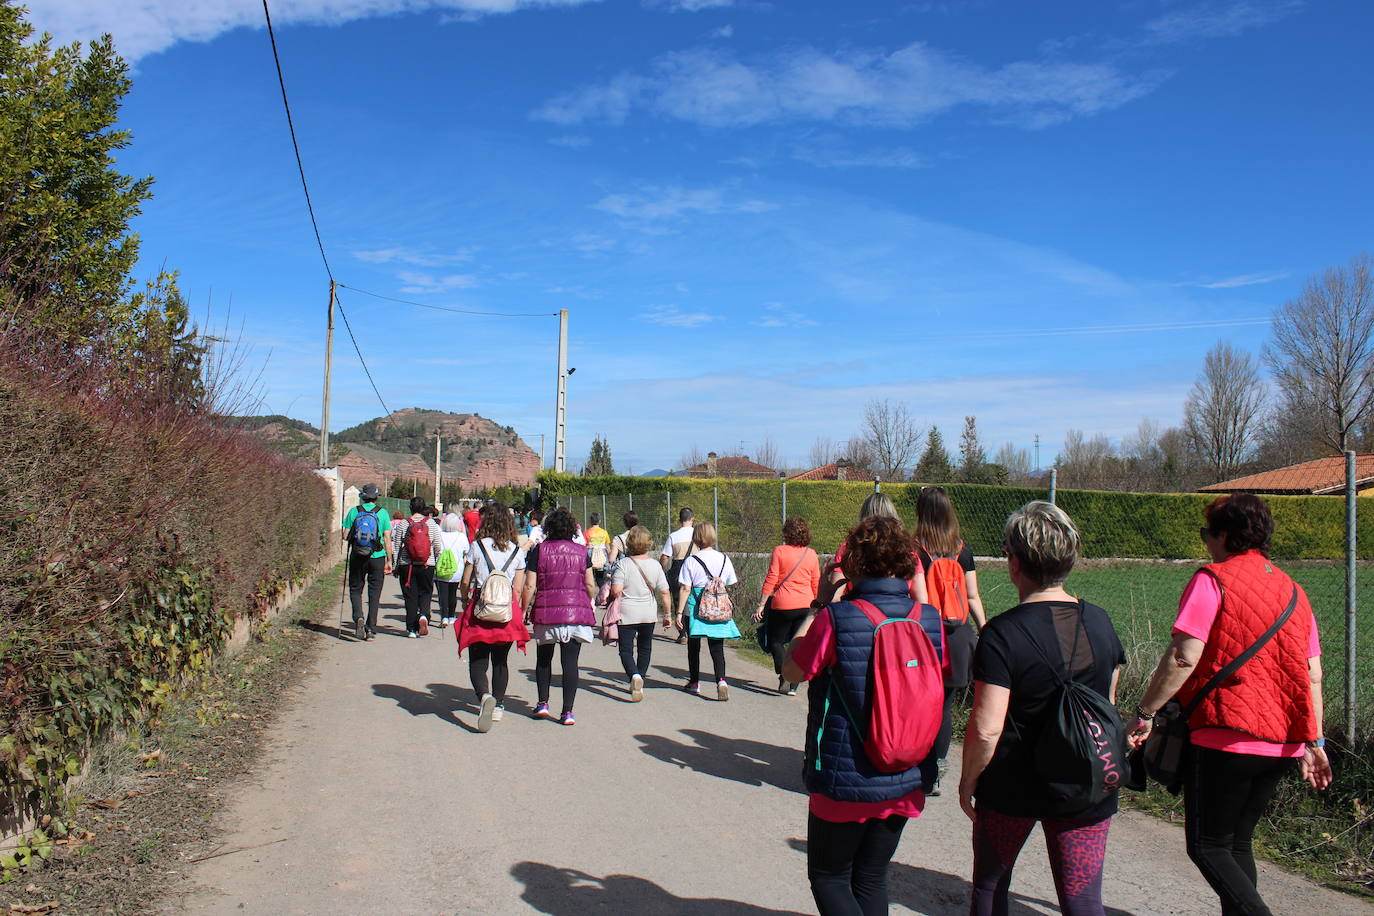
[1322, 354]
[1086, 463]
[768, 454]
[822, 452]
[1221, 413]
[859, 453]
[1016, 461]
[691, 458]
[891, 436]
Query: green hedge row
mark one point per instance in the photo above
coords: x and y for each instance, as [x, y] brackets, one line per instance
[1128, 525]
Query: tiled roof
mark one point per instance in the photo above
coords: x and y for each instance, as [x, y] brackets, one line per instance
[824, 472]
[732, 466]
[1319, 476]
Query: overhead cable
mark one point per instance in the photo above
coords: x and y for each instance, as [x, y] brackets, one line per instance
[338, 302]
[449, 308]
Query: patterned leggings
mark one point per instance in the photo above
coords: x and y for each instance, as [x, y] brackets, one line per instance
[1076, 850]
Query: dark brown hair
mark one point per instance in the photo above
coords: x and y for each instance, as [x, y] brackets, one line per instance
[498, 525]
[878, 547]
[796, 532]
[937, 525]
[630, 519]
[1243, 520]
[559, 525]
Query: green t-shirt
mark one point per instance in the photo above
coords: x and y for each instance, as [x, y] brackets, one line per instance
[383, 524]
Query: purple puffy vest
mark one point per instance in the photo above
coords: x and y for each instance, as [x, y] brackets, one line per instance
[561, 587]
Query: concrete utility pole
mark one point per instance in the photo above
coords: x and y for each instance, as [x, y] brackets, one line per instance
[438, 470]
[560, 423]
[328, 366]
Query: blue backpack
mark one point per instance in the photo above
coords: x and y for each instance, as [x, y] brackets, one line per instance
[366, 534]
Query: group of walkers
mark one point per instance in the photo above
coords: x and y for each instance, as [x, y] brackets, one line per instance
[885, 634]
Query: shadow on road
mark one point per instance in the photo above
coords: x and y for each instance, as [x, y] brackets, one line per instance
[443, 701]
[569, 892]
[738, 759]
[938, 893]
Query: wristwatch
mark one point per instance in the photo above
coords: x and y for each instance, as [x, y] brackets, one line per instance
[1318, 742]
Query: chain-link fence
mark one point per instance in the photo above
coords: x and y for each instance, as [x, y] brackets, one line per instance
[1139, 550]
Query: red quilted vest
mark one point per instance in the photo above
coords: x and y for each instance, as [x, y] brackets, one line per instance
[1270, 697]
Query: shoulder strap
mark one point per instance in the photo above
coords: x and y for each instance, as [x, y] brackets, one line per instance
[1081, 628]
[510, 559]
[643, 578]
[723, 560]
[1243, 657]
[877, 617]
[796, 566]
[486, 556]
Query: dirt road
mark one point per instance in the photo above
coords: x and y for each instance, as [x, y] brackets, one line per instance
[386, 800]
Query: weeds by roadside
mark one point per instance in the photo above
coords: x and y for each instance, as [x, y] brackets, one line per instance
[146, 809]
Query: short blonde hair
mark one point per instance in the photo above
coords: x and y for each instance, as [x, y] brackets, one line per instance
[704, 535]
[879, 505]
[638, 540]
[1044, 541]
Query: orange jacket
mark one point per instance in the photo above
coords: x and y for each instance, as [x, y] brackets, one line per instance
[799, 590]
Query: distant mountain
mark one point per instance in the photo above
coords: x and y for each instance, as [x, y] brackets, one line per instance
[656, 472]
[477, 452]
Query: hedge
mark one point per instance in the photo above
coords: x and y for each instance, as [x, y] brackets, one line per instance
[1125, 525]
[132, 538]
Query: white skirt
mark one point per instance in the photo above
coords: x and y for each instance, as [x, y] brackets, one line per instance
[562, 632]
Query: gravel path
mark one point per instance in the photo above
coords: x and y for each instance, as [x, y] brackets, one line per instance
[386, 800]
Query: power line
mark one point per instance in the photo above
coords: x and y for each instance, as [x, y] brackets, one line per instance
[449, 308]
[291, 126]
[358, 350]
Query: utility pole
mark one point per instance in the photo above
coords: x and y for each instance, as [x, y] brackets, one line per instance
[560, 428]
[1037, 453]
[328, 366]
[438, 469]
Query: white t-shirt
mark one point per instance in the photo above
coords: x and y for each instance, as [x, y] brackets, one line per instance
[457, 541]
[480, 570]
[678, 543]
[716, 564]
[536, 534]
[639, 602]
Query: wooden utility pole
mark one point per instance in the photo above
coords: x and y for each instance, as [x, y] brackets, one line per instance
[328, 367]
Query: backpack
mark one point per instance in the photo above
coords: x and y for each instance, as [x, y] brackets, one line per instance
[1080, 753]
[418, 546]
[366, 534]
[447, 565]
[906, 691]
[947, 587]
[496, 598]
[713, 603]
[599, 556]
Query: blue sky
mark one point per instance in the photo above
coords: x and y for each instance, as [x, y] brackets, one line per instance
[761, 215]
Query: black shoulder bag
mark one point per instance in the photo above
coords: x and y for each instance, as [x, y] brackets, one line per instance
[1165, 753]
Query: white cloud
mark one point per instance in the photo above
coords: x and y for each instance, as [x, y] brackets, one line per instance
[571, 141]
[411, 256]
[1219, 20]
[1238, 280]
[833, 156]
[725, 31]
[427, 283]
[777, 315]
[149, 26]
[903, 88]
[654, 203]
[673, 317]
[576, 291]
[689, 6]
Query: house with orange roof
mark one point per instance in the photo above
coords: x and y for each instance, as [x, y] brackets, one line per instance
[1319, 477]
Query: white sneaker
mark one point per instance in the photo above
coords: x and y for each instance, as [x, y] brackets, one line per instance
[498, 714]
[485, 712]
[722, 691]
[636, 689]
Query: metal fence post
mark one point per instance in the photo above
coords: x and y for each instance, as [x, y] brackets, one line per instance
[715, 509]
[668, 495]
[1054, 483]
[1350, 648]
[584, 509]
[604, 520]
[784, 502]
[631, 498]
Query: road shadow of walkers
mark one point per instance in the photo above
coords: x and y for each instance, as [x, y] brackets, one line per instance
[938, 893]
[738, 759]
[569, 892]
[443, 701]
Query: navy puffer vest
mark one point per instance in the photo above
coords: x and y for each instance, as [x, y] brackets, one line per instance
[836, 765]
[561, 589]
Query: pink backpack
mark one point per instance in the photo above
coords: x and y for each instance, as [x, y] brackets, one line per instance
[713, 603]
[906, 691]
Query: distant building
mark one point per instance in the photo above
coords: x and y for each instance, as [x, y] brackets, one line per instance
[835, 470]
[735, 466]
[1319, 477]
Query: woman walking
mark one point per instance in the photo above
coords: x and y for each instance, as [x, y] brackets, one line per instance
[558, 592]
[1018, 668]
[706, 569]
[637, 581]
[856, 812]
[1248, 730]
[875, 505]
[448, 569]
[793, 579]
[952, 586]
[488, 642]
[630, 519]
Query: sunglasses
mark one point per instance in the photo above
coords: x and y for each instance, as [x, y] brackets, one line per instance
[1204, 533]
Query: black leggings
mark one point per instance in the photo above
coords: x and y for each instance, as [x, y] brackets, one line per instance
[636, 639]
[946, 732]
[783, 624]
[448, 599]
[847, 864]
[543, 670]
[478, 655]
[717, 648]
[1224, 796]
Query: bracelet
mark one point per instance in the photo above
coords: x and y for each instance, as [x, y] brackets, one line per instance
[1319, 742]
[1144, 716]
